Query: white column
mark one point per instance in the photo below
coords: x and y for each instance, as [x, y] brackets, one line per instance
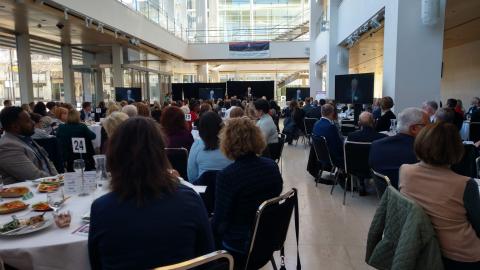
[202, 23]
[88, 60]
[202, 73]
[68, 79]
[117, 61]
[24, 68]
[412, 54]
[98, 78]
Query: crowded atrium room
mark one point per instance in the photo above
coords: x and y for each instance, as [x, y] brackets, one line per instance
[240, 134]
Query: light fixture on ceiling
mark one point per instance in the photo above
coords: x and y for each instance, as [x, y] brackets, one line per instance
[65, 14]
[375, 22]
[88, 22]
[116, 33]
[100, 27]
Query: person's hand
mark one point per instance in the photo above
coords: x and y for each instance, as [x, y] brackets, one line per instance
[477, 144]
[174, 172]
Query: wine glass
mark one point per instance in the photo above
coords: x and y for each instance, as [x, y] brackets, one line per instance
[55, 199]
[79, 167]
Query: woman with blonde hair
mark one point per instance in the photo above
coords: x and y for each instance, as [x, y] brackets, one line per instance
[112, 107]
[243, 185]
[109, 126]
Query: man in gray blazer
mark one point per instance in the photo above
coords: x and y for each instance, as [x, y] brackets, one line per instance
[20, 157]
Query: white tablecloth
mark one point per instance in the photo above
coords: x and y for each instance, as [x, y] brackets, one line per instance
[97, 129]
[51, 248]
[465, 131]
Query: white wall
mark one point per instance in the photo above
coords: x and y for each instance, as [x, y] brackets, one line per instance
[461, 73]
[353, 13]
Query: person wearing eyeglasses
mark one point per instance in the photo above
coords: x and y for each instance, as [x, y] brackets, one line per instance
[388, 154]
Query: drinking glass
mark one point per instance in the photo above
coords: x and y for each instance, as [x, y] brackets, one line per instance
[79, 167]
[55, 199]
[393, 126]
[101, 170]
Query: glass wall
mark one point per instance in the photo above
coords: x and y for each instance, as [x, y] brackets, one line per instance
[47, 77]
[9, 83]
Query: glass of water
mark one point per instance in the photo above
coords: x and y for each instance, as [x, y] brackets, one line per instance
[55, 199]
[393, 126]
[79, 167]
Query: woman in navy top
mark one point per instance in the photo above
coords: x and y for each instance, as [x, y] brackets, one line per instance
[205, 154]
[149, 219]
[242, 186]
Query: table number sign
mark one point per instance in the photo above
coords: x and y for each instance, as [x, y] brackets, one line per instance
[188, 117]
[78, 145]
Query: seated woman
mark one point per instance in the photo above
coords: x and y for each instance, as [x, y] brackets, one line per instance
[451, 200]
[148, 219]
[265, 121]
[175, 128]
[243, 185]
[74, 129]
[109, 126]
[385, 120]
[205, 154]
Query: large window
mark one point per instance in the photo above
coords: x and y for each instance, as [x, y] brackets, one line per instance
[47, 77]
[9, 83]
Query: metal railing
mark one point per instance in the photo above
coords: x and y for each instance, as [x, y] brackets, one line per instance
[293, 28]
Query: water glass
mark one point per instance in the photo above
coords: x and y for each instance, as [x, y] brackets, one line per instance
[101, 170]
[55, 199]
[393, 126]
[79, 167]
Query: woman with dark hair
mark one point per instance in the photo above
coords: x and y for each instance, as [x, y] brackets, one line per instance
[45, 120]
[242, 186]
[205, 154]
[148, 219]
[450, 200]
[175, 128]
[385, 120]
[265, 121]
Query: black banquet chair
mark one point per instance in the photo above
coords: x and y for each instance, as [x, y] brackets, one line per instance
[270, 230]
[478, 167]
[381, 182]
[356, 156]
[217, 260]
[276, 149]
[324, 160]
[54, 151]
[467, 166]
[178, 158]
[208, 179]
[309, 123]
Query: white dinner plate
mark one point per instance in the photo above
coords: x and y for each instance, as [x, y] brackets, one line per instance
[27, 230]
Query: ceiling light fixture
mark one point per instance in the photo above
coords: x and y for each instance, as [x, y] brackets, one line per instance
[65, 14]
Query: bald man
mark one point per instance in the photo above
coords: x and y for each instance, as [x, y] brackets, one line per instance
[367, 131]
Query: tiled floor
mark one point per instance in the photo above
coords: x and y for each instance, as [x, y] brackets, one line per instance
[332, 236]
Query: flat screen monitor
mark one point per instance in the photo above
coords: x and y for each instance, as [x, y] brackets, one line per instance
[354, 88]
[297, 93]
[129, 94]
[209, 93]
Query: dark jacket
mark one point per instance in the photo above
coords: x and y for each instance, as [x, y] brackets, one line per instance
[316, 112]
[388, 154]
[65, 133]
[475, 116]
[401, 236]
[240, 189]
[365, 134]
[384, 123]
[164, 231]
[179, 139]
[327, 129]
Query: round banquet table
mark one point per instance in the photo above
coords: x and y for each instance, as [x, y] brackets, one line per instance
[97, 129]
[53, 247]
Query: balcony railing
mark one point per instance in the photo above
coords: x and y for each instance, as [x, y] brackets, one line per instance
[292, 28]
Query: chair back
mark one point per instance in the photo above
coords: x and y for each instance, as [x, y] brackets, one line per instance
[381, 182]
[478, 167]
[54, 151]
[209, 179]
[474, 133]
[69, 156]
[356, 156]
[347, 129]
[467, 166]
[321, 150]
[221, 256]
[276, 149]
[270, 229]
[309, 123]
[178, 158]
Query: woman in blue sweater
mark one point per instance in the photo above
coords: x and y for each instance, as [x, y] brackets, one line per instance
[148, 219]
[205, 154]
[242, 186]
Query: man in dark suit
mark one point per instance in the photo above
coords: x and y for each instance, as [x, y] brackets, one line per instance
[326, 127]
[85, 113]
[315, 112]
[357, 95]
[388, 154]
[458, 120]
[366, 133]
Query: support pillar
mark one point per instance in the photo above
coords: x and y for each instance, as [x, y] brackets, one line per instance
[68, 78]
[202, 73]
[412, 54]
[24, 68]
[117, 61]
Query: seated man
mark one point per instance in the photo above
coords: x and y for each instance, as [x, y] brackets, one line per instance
[20, 157]
[366, 133]
[326, 127]
[388, 154]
